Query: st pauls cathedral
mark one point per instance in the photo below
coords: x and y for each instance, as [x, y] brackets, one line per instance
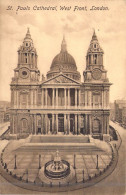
[60, 103]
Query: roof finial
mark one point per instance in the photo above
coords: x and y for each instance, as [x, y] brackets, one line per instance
[28, 31]
[63, 45]
[28, 35]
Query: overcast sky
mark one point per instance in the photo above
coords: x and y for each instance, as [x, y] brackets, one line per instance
[47, 29]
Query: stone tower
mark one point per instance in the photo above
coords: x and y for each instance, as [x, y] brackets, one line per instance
[97, 88]
[24, 85]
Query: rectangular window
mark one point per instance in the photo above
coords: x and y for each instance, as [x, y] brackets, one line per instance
[24, 99]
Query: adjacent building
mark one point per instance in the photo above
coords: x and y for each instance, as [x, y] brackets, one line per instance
[60, 103]
[4, 111]
[120, 111]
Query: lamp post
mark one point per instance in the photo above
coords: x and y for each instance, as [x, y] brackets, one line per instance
[39, 161]
[83, 175]
[74, 161]
[15, 165]
[27, 176]
[97, 162]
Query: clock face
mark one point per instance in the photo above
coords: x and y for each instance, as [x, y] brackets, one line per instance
[96, 74]
[24, 73]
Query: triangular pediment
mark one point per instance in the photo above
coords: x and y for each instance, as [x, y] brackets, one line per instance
[61, 79]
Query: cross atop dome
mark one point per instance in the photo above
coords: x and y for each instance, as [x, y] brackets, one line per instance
[63, 45]
[94, 37]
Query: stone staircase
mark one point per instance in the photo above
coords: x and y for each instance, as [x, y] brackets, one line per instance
[59, 139]
[86, 148]
[64, 143]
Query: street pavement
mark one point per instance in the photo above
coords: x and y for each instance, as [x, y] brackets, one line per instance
[114, 184]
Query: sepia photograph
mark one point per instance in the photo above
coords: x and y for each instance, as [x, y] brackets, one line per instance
[63, 97]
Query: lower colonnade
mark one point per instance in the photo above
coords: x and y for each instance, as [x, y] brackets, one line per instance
[60, 124]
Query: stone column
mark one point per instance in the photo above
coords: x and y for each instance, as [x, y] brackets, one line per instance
[92, 59]
[68, 97]
[65, 97]
[79, 123]
[79, 98]
[35, 123]
[42, 102]
[17, 99]
[90, 98]
[18, 58]
[34, 96]
[31, 95]
[42, 123]
[107, 98]
[32, 121]
[107, 124]
[46, 124]
[90, 124]
[68, 123]
[75, 97]
[53, 98]
[57, 97]
[75, 124]
[104, 123]
[102, 99]
[46, 96]
[56, 123]
[34, 59]
[86, 98]
[65, 124]
[86, 123]
[53, 123]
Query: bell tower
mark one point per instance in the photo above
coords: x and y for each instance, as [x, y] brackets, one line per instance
[24, 87]
[95, 71]
[96, 93]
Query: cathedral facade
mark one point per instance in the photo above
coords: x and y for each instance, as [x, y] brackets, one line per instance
[60, 103]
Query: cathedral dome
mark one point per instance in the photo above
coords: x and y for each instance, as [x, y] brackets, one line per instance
[65, 63]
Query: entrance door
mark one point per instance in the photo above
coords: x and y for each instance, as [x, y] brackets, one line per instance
[60, 123]
[50, 122]
[39, 130]
[71, 125]
[24, 125]
[72, 128]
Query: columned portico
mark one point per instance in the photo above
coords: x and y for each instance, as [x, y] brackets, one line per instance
[60, 97]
